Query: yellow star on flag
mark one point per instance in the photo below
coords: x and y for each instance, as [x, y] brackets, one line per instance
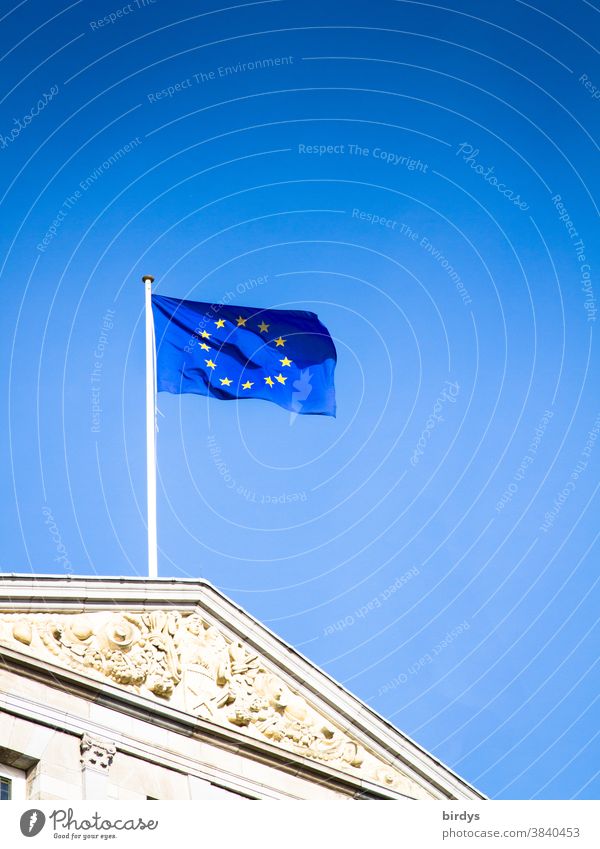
[241, 322]
[285, 362]
[247, 385]
[205, 335]
[279, 342]
[220, 322]
[210, 364]
[263, 327]
[225, 381]
[269, 381]
[204, 346]
[279, 377]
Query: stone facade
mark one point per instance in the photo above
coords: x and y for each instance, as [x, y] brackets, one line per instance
[135, 689]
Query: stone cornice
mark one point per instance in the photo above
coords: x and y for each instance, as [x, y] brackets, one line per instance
[113, 698]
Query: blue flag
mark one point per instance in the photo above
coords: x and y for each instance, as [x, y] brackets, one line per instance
[284, 356]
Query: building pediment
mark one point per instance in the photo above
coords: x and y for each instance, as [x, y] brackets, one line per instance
[207, 659]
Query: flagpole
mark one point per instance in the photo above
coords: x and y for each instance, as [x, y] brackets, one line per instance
[151, 430]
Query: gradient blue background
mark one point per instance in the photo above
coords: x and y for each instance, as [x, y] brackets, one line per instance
[325, 515]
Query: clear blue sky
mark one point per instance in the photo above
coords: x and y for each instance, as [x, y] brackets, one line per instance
[422, 177]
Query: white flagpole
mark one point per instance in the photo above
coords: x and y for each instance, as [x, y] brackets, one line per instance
[151, 430]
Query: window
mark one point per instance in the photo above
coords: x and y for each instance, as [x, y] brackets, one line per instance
[12, 783]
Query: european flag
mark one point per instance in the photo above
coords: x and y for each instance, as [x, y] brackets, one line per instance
[284, 356]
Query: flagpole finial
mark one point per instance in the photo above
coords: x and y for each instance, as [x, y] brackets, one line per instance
[148, 278]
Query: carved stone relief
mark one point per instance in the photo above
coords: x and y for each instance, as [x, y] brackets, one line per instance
[181, 659]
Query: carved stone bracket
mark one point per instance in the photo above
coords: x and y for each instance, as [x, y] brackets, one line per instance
[96, 754]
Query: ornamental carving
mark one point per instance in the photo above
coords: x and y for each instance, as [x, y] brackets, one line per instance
[180, 658]
[96, 754]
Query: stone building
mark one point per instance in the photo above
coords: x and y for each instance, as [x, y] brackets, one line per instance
[128, 688]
